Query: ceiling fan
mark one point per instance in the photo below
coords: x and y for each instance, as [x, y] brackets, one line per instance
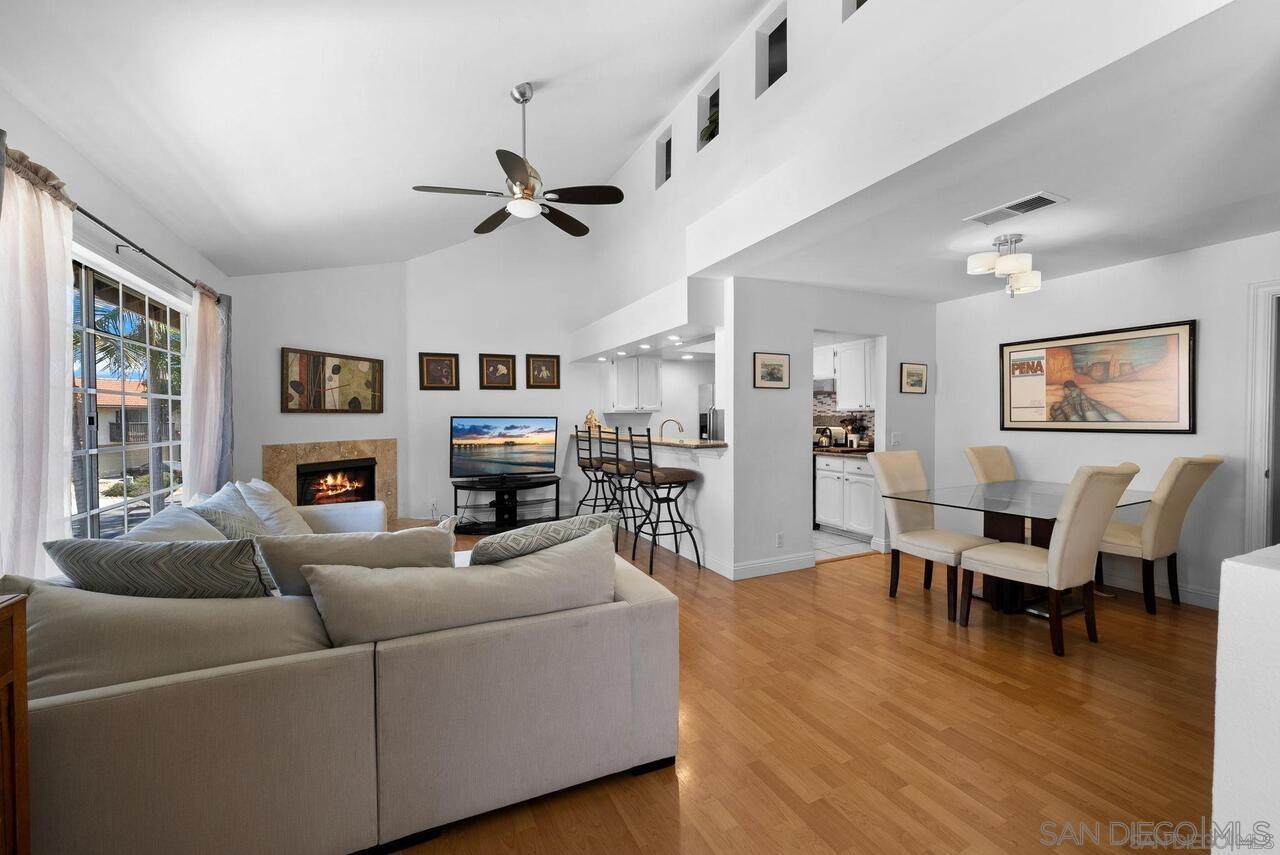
[524, 187]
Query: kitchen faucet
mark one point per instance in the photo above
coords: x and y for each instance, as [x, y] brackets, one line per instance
[663, 427]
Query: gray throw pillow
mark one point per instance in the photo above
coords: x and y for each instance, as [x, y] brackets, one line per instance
[183, 569]
[531, 538]
[228, 512]
[284, 555]
[173, 523]
[361, 604]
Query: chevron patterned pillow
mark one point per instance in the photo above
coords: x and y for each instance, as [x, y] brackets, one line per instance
[532, 538]
[180, 569]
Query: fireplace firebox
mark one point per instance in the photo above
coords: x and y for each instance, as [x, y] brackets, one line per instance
[337, 481]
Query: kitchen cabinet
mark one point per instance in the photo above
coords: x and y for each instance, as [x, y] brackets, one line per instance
[635, 385]
[856, 384]
[859, 504]
[829, 498]
[824, 362]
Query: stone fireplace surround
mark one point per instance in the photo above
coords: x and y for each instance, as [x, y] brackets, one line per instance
[280, 464]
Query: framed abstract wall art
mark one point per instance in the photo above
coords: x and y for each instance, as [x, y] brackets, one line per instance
[497, 371]
[438, 371]
[1133, 380]
[312, 381]
[772, 370]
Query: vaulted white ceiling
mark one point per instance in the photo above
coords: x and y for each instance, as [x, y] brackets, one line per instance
[285, 134]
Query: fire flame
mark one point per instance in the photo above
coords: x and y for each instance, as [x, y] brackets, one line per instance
[336, 487]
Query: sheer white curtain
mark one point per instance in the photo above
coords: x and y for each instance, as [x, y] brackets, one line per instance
[35, 364]
[205, 430]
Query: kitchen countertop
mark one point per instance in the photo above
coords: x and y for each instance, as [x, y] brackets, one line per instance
[844, 452]
[684, 443]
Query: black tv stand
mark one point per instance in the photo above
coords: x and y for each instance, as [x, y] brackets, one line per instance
[506, 504]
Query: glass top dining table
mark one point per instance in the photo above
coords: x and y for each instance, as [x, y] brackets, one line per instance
[1031, 499]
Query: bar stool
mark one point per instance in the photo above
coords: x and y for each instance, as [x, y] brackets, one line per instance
[620, 474]
[598, 496]
[663, 486]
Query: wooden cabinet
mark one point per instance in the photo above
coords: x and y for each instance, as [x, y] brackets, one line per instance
[829, 498]
[856, 375]
[635, 385]
[15, 819]
[859, 504]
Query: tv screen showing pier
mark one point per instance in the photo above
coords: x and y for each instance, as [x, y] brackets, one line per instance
[489, 447]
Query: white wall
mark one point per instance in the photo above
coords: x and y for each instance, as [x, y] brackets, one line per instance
[771, 429]
[1208, 284]
[108, 201]
[354, 310]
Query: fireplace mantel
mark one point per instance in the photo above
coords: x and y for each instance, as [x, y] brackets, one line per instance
[280, 464]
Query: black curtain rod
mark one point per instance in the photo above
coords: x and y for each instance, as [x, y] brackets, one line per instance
[135, 247]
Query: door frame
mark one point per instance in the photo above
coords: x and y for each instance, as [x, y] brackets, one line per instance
[1261, 379]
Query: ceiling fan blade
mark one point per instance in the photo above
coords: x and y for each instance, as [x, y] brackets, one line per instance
[491, 222]
[460, 191]
[564, 222]
[593, 194]
[516, 167]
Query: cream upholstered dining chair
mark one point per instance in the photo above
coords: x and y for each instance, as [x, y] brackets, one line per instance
[911, 523]
[991, 463]
[1157, 535]
[1068, 562]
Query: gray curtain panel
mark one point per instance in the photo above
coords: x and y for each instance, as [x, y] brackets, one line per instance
[224, 450]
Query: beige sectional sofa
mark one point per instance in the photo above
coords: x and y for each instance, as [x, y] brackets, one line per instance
[188, 738]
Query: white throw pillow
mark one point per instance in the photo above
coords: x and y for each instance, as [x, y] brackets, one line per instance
[267, 502]
[172, 524]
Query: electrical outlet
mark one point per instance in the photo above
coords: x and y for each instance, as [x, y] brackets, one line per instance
[895, 439]
[777, 541]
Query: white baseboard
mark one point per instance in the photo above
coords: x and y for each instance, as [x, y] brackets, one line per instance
[879, 544]
[1126, 574]
[769, 566]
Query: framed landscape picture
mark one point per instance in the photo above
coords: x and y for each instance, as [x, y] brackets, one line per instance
[913, 378]
[438, 371]
[497, 371]
[541, 371]
[312, 381]
[1133, 380]
[772, 370]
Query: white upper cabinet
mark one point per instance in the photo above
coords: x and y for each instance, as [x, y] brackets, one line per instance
[824, 362]
[635, 385]
[855, 375]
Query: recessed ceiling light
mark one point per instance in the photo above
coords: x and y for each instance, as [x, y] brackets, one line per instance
[645, 346]
[673, 338]
[601, 359]
[687, 356]
[622, 353]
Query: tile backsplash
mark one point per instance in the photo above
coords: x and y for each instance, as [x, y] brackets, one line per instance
[826, 413]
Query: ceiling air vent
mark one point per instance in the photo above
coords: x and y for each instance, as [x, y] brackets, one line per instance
[1008, 210]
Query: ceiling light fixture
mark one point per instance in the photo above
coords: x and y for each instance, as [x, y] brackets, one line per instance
[1006, 262]
[673, 338]
[622, 353]
[645, 346]
[687, 356]
[601, 359]
[525, 209]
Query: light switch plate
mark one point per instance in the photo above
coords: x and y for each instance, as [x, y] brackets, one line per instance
[895, 439]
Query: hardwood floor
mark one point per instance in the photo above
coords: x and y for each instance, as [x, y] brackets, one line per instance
[818, 716]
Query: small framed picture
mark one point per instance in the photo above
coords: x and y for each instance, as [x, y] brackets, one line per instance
[772, 370]
[438, 371]
[497, 371]
[541, 371]
[913, 378]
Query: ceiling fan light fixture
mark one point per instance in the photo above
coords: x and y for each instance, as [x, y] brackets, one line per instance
[525, 209]
[982, 262]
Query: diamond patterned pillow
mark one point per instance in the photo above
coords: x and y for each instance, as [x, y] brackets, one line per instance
[181, 569]
[532, 538]
[229, 513]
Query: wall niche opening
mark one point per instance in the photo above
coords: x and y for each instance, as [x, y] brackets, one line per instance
[709, 112]
[662, 159]
[771, 49]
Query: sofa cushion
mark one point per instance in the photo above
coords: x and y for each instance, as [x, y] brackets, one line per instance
[173, 523]
[186, 569]
[228, 512]
[414, 547]
[361, 604]
[531, 538]
[277, 515]
[80, 639]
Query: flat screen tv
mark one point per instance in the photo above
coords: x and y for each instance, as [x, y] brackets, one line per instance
[502, 446]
